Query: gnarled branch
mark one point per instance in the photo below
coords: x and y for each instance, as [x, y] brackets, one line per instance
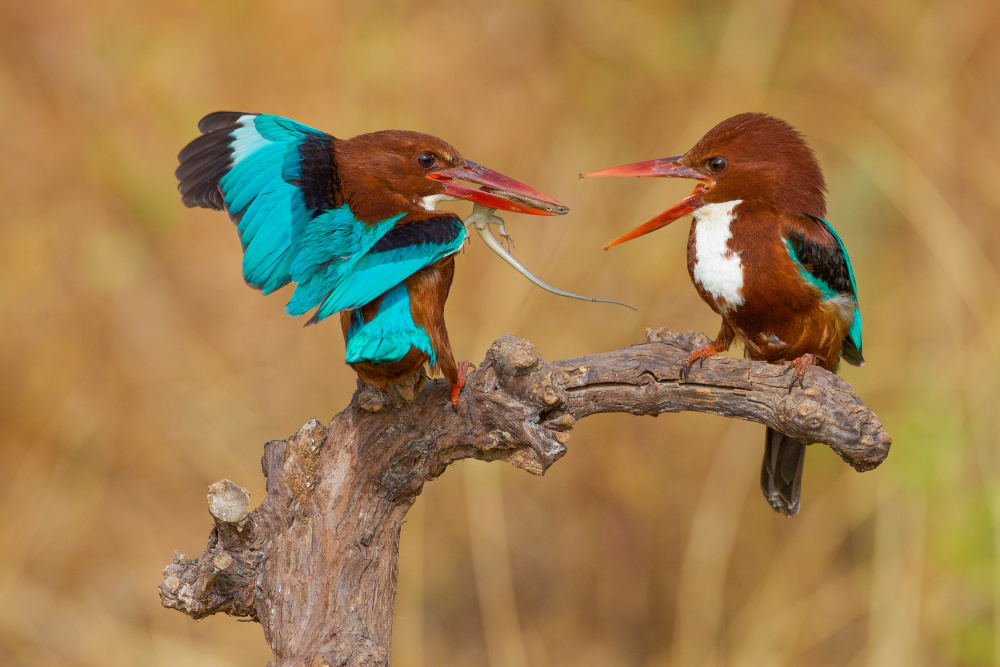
[316, 562]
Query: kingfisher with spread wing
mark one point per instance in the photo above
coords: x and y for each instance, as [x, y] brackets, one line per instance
[763, 257]
[352, 222]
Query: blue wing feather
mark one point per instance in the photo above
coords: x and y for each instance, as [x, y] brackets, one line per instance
[335, 237]
[270, 209]
[256, 215]
[247, 180]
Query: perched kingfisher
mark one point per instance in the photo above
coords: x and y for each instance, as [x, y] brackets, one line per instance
[762, 256]
[352, 222]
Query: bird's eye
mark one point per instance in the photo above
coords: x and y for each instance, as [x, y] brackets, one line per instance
[427, 160]
[716, 164]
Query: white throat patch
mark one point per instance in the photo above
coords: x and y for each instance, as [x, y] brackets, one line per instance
[717, 268]
[430, 202]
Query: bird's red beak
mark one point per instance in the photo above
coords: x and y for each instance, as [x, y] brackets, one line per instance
[669, 167]
[497, 191]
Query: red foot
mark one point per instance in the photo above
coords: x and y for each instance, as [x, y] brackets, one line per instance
[463, 368]
[698, 355]
[799, 366]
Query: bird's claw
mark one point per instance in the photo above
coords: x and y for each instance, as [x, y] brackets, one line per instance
[799, 367]
[698, 355]
[456, 389]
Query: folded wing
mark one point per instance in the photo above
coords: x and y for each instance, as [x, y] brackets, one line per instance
[827, 266]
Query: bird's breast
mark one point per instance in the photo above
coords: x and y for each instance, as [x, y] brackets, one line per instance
[716, 267]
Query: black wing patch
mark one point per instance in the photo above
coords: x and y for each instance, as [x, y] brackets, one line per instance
[824, 261]
[319, 180]
[440, 230]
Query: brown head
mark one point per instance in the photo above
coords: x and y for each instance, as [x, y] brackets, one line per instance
[752, 157]
[386, 173]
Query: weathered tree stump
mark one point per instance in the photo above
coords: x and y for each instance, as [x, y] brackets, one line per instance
[316, 562]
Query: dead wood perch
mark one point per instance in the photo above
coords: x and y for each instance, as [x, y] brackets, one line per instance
[316, 562]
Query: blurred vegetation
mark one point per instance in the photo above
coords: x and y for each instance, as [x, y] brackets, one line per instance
[137, 367]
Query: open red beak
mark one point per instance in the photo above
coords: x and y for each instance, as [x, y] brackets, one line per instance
[497, 191]
[669, 167]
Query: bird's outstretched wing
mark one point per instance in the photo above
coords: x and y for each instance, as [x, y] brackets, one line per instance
[825, 264]
[278, 181]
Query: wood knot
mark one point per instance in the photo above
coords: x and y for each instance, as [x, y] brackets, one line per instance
[547, 391]
[550, 396]
[523, 357]
[806, 407]
[222, 561]
[228, 501]
[658, 335]
[512, 357]
[809, 411]
[563, 422]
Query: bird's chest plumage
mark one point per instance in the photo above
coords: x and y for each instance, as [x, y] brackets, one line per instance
[714, 263]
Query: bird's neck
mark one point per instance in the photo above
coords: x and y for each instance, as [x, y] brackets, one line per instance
[718, 214]
[373, 202]
[364, 187]
[743, 222]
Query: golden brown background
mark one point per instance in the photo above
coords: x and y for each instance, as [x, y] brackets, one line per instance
[136, 367]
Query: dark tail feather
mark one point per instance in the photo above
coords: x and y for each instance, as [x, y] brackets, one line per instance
[781, 474]
[852, 353]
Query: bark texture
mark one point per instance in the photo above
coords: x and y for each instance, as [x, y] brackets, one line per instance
[315, 563]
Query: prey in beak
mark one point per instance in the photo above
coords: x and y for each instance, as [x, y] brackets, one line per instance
[497, 191]
[670, 167]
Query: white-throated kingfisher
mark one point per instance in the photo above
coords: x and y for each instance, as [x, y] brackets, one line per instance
[352, 222]
[763, 257]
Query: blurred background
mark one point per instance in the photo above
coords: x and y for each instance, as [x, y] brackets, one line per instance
[136, 367]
